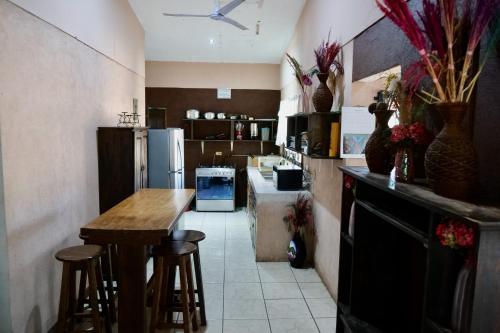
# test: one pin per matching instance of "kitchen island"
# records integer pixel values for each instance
(266, 208)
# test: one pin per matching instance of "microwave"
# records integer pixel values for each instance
(287, 177)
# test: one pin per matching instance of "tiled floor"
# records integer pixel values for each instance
(243, 296)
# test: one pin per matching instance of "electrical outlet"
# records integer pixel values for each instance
(218, 153)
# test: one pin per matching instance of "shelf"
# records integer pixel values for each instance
(207, 140)
(315, 157)
(241, 120)
(314, 114)
(396, 222)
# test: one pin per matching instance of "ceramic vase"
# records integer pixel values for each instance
(323, 98)
(297, 251)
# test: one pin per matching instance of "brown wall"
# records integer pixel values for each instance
(254, 103)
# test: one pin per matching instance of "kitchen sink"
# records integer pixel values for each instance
(267, 175)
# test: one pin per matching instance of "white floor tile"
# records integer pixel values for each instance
(314, 290)
(244, 309)
(281, 290)
(242, 291)
(276, 275)
(322, 307)
(246, 326)
(287, 309)
(326, 325)
(242, 275)
(306, 275)
(273, 265)
(293, 326)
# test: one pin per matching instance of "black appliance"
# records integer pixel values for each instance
(287, 177)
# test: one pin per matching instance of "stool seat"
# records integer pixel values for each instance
(79, 253)
(174, 249)
(192, 236)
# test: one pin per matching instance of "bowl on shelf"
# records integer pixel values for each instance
(209, 115)
(221, 115)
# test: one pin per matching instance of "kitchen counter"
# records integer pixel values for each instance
(266, 208)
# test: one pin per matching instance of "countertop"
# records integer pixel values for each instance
(264, 188)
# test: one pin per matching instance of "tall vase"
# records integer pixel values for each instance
(404, 165)
(297, 251)
(378, 153)
(323, 98)
(303, 102)
(450, 161)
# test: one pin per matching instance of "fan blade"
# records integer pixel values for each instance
(184, 15)
(233, 22)
(230, 6)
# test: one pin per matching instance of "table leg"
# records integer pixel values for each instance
(132, 289)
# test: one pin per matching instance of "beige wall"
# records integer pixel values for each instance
(345, 20)
(109, 26)
(55, 91)
(212, 75)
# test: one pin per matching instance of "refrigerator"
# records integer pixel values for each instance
(166, 158)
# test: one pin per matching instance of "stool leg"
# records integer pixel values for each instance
(103, 299)
(192, 298)
(170, 297)
(157, 292)
(64, 299)
(199, 287)
(82, 289)
(106, 263)
(184, 296)
(72, 296)
(91, 269)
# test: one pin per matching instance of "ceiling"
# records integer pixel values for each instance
(206, 40)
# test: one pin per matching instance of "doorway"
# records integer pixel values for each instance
(156, 117)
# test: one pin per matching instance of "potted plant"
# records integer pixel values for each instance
(303, 79)
(326, 55)
(299, 216)
(446, 40)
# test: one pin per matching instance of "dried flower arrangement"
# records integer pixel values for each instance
(326, 56)
(446, 40)
(299, 215)
(303, 77)
(455, 234)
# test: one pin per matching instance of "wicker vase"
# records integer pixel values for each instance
(323, 98)
(450, 161)
(379, 155)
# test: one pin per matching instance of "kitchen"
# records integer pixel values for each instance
(125, 124)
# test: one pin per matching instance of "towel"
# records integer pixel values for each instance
(287, 108)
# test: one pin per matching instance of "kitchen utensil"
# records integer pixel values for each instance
(233, 116)
(192, 114)
(243, 117)
(239, 130)
(209, 115)
(221, 115)
(254, 131)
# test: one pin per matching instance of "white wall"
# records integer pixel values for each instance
(109, 26)
(212, 75)
(345, 20)
(54, 93)
(5, 324)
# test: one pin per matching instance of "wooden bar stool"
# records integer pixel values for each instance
(169, 256)
(83, 258)
(109, 276)
(194, 236)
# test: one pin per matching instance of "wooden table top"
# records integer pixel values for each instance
(143, 218)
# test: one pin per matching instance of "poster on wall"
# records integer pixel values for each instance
(224, 93)
(357, 126)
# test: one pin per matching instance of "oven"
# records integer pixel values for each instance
(215, 189)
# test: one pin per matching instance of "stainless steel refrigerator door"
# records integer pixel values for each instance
(176, 150)
(159, 158)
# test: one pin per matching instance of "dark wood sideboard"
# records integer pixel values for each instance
(394, 274)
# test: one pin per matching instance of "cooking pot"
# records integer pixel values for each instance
(209, 115)
(221, 115)
(192, 114)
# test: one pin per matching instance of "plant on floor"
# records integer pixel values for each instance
(298, 218)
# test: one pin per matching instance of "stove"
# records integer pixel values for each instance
(215, 188)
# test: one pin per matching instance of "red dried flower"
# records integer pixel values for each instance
(455, 234)
(348, 182)
(399, 133)
(307, 80)
(418, 133)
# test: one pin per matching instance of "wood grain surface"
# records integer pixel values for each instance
(143, 218)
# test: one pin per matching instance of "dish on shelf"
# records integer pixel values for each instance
(221, 115)
(209, 115)
(192, 114)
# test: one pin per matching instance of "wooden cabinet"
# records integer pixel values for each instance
(122, 160)
(396, 276)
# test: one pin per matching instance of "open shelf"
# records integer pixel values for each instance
(197, 130)
(208, 140)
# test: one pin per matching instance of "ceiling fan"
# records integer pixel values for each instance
(218, 14)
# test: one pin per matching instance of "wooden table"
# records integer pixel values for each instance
(145, 218)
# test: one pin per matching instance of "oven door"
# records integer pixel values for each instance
(214, 193)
